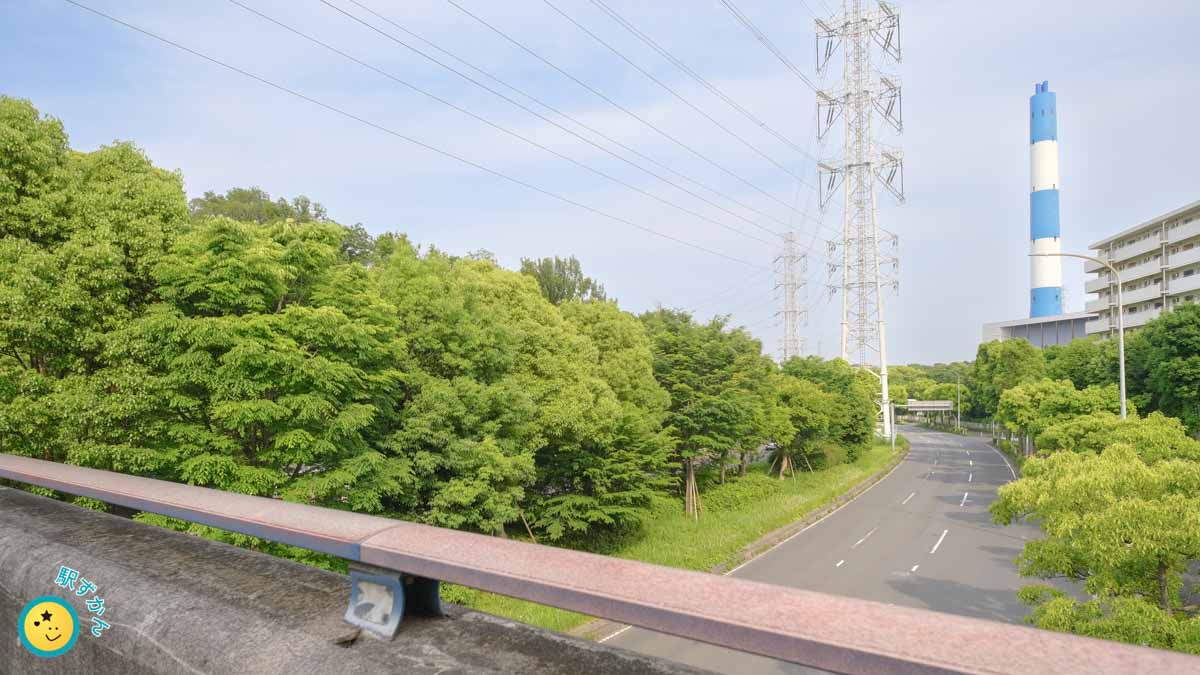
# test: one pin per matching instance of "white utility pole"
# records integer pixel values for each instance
(958, 392)
(859, 31)
(793, 283)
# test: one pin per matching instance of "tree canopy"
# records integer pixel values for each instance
(1001, 365)
(256, 345)
(562, 279)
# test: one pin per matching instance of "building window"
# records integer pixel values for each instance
(1189, 273)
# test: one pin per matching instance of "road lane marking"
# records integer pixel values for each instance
(606, 639)
(907, 498)
(964, 501)
(914, 568)
(1010, 469)
(969, 477)
(939, 542)
(972, 462)
(839, 563)
(818, 521)
(864, 537)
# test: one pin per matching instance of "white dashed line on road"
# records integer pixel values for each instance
(969, 477)
(907, 498)
(972, 462)
(914, 568)
(839, 563)
(864, 537)
(606, 639)
(964, 500)
(939, 542)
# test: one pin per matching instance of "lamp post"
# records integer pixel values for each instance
(1120, 314)
(958, 391)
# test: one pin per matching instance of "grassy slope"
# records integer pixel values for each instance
(735, 515)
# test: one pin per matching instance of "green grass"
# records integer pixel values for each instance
(735, 515)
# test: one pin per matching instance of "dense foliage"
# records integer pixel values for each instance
(1118, 499)
(258, 346)
(1124, 521)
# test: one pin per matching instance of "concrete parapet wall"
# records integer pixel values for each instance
(182, 604)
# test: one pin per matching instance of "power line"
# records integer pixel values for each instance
(766, 42)
(616, 16)
(520, 45)
(732, 291)
(396, 134)
(753, 148)
(576, 121)
(501, 128)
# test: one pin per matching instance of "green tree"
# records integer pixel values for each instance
(267, 368)
(852, 411)
(1031, 407)
(806, 407)
(508, 408)
(1084, 362)
(81, 234)
(1156, 435)
(562, 279)
(35, 174)
(254, 205)
(1126, 528)
(711, 374)
(1001, 365)
(1168, 353)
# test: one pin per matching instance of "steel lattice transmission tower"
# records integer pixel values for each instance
(793, 284)
(861, 31)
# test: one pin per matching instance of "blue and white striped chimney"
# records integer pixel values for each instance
(1045, 296)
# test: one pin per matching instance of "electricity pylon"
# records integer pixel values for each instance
(793, 283)
(860, 31)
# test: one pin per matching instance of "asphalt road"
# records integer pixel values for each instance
(921, 537)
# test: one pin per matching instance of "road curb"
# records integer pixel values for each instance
(602, 629)
(772, 539)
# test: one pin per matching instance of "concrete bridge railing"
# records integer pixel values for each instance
(814, 629)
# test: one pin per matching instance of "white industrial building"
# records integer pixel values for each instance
(1159, 265)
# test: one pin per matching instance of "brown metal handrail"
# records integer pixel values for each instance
(815, 629)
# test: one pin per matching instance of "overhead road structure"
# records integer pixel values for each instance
(815, 629)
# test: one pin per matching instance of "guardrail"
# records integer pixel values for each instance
(814, 629)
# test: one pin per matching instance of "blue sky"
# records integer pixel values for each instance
(1125, 74)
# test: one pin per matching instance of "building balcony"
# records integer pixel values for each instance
(1142, 294)
(1185, 284)
(1185, 257)
(1184, 232)
(1134, 250)
(1135, 319)
(1099, 283)
(1097, 326)
(1146, 269)
(1096, 305)
(1091, 266)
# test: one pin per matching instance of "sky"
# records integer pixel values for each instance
(1125, 75)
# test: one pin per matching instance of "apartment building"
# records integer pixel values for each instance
(1159, 265)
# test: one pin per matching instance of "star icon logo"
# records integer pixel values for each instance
(46, 616)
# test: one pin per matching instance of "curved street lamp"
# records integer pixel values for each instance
(1120, 313)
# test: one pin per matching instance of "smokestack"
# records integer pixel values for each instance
(1045, 273)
